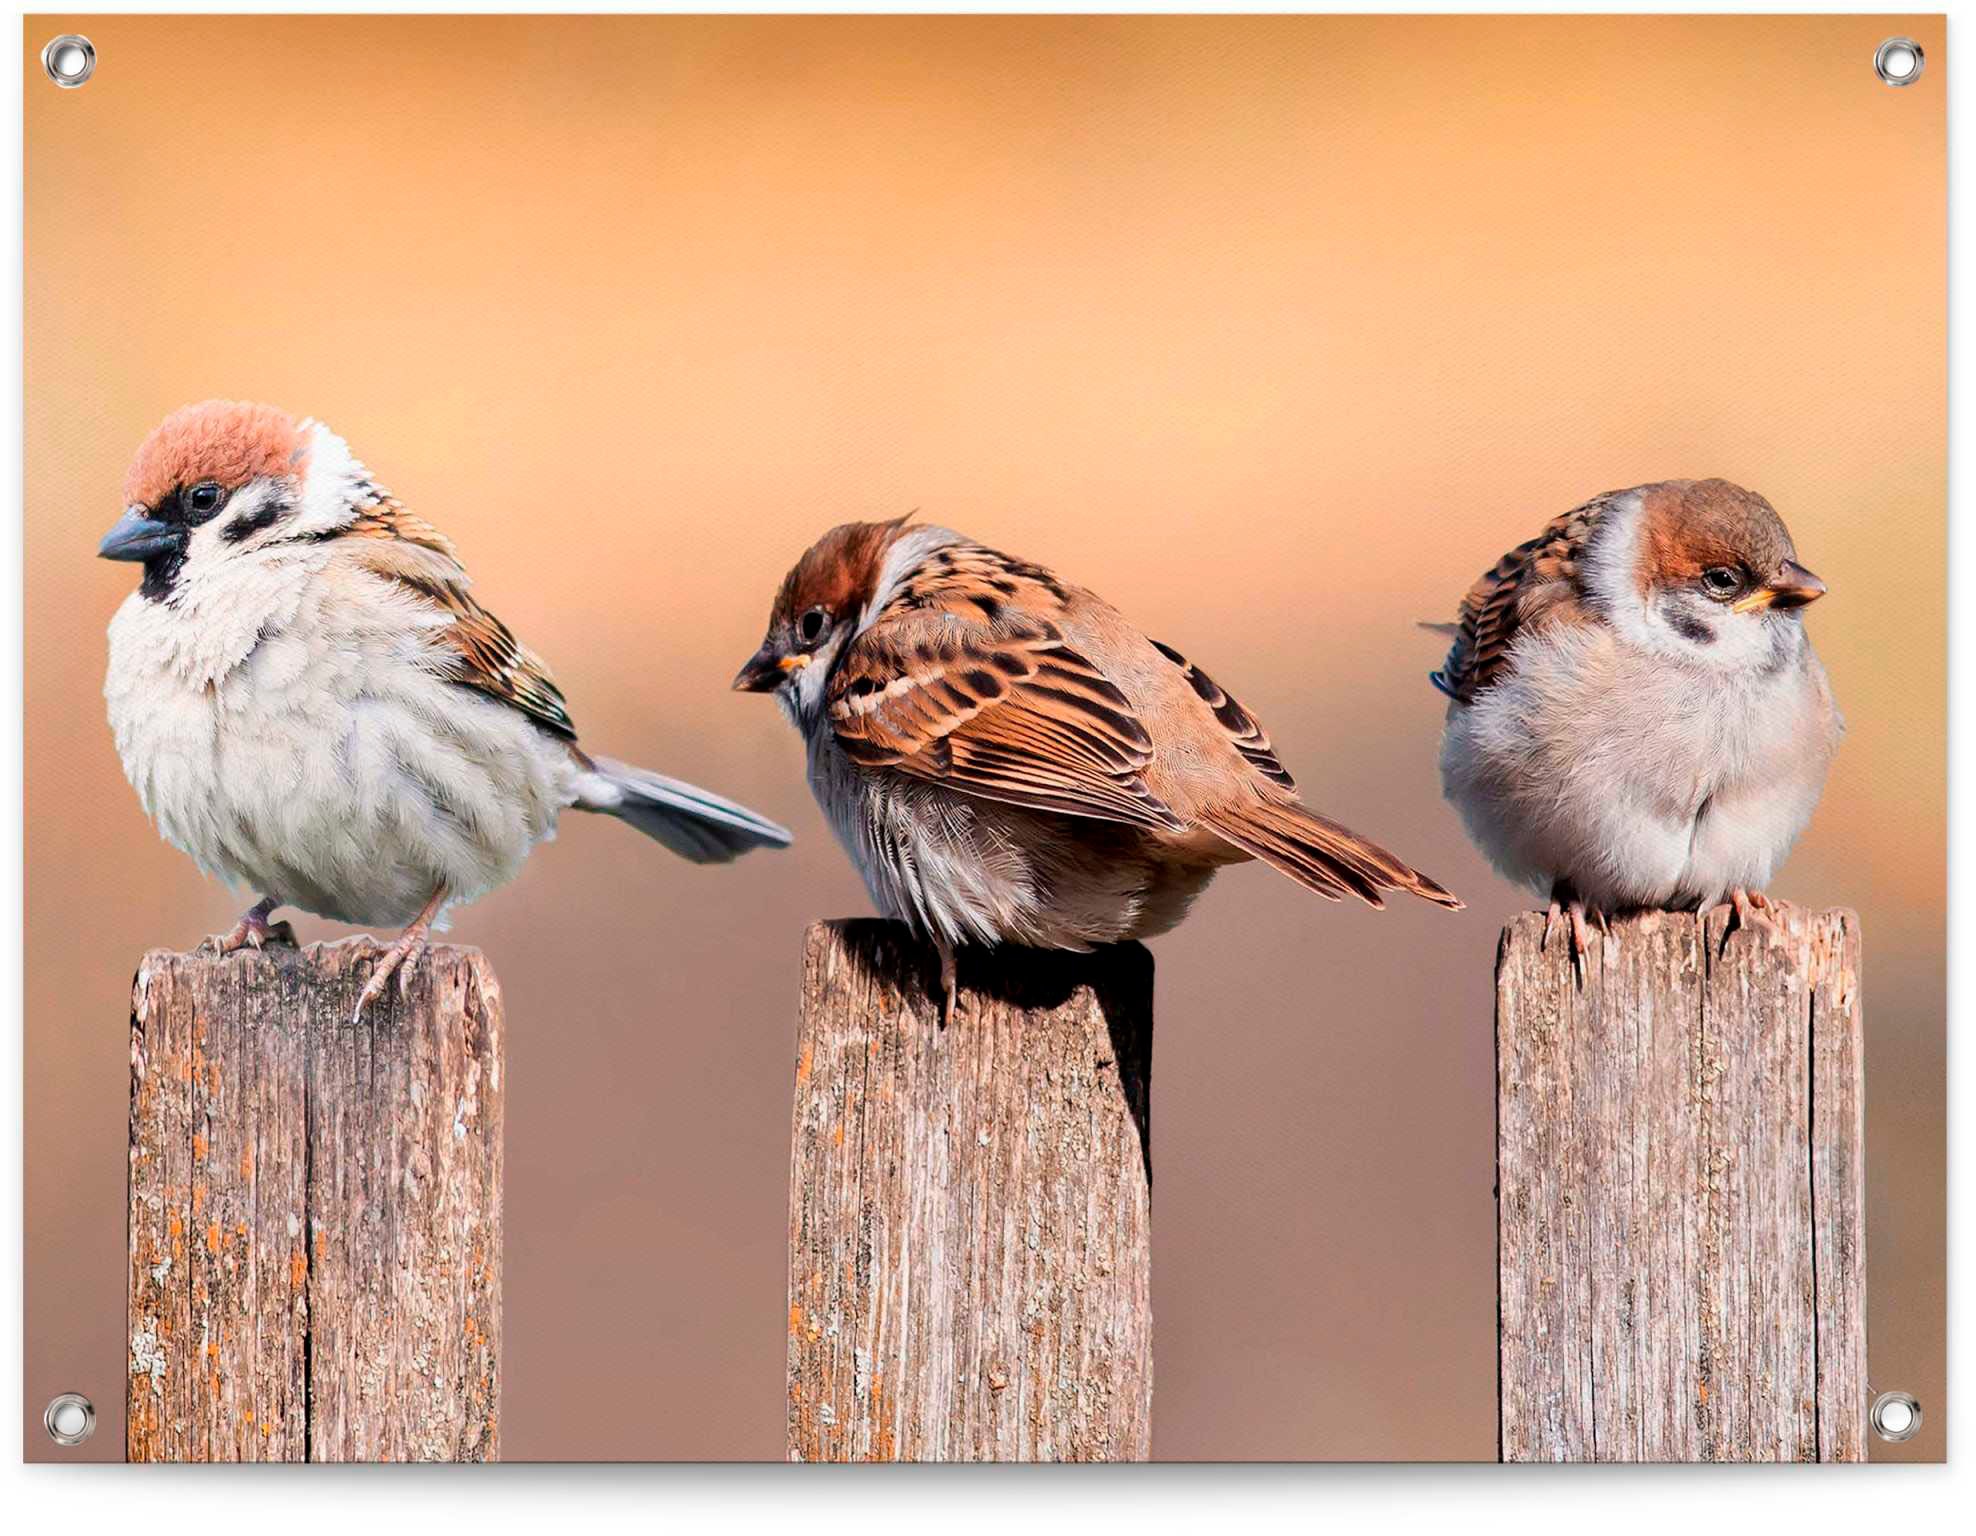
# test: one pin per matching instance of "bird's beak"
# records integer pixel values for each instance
(764, 671)
(1792, 587)
(137, 537)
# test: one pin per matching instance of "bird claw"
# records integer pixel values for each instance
(949, 982)
(1568, 905)
(395, 962)
(396, 959)
(253, 931)
(1753, 912)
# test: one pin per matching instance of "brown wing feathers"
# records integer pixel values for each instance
(474, 648)
(1002, 707)
(1010, 713)
(1311, 849)
(1319, 854)
(1243, 728)
(1533, 580)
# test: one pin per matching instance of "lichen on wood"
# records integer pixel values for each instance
(315, 1209)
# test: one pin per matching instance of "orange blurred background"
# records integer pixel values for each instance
(1275, 331)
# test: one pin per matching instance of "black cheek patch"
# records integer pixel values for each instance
(1691, 628)
(266, 516)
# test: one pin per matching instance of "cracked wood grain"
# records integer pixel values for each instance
(1679, 1192)
(969, 1260)
(315, 1209)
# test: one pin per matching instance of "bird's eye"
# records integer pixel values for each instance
(204, 499)
(1722, 580)
(812, 625)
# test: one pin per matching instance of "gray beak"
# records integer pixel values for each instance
(137, 537)
(1792, 587)
(1796, 586)
(763, 671)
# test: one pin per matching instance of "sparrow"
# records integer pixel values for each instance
(1008, 760)
(1636, 716)
(309, 700)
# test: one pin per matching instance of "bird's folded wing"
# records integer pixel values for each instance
(469, 645)
(1244, 730)
(1538, 581)
(1008, 713)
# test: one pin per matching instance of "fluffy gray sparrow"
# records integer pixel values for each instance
(309, 701)
(1637, 717)
(1007, 759)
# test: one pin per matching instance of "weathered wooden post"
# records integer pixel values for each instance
(969, 1266)
(1680, 1198)
(315, 1209)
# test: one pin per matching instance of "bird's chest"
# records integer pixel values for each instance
(917, 847)
(852, 806)
(1671, 738)
(167, 731)
(225, 752)
(1648, 738)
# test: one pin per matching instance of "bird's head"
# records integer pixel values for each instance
(221, 481)
(1705, 569)
(817, 610)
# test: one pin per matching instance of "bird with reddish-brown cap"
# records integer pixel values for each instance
(309, 701)
(1009, 760)
(1636, 715)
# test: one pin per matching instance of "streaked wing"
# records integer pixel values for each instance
(1006, 712)
(1537, 581)
(1244, 730)
(473, 647)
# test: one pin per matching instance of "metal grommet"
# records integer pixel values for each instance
(69, 59)
(1898, 61)
(69, 1418)
(1895, 1416)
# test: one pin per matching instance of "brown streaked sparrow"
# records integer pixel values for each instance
(1636, 716)
(1007, 759)
(309, 701)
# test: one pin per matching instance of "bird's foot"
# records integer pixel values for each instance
(1753, 912)
(1566, 903)
(408, 946)
(949, 981)
(395, 960)
(253, 931)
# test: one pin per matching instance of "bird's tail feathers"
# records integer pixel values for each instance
(694, 823)
(1319, 854)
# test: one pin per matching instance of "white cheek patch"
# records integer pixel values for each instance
(1706, 632)
(205, 547)
(1610, 566)
(334, 484)
(1691, 619)
(1681, 624)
